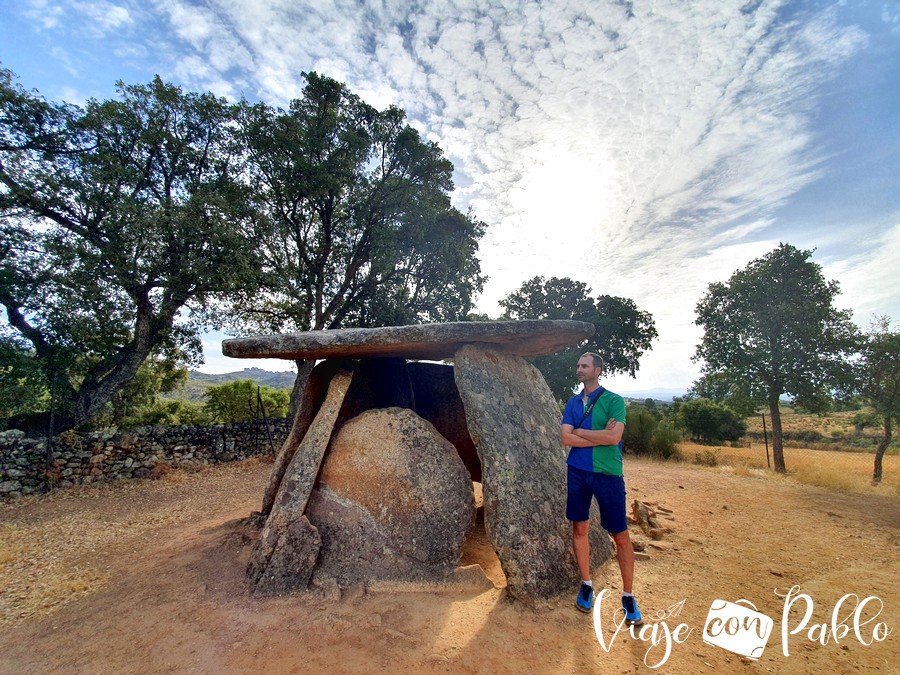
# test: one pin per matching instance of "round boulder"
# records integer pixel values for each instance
(393, 502)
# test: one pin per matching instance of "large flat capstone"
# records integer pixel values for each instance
(426, 341)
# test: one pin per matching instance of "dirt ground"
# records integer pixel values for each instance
(148, 577)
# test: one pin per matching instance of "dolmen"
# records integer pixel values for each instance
(374, 481)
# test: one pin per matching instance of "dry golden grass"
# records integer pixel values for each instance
(849, 471)
(45, 564)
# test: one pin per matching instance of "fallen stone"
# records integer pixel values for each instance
(393, 502)
(641, 556)
(426, 341)
(297, 483)
(514, 422)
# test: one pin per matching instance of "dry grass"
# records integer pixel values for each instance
(848, 471)
(46, 563)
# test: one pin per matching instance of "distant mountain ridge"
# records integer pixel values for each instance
(662, 394)
(276, 380)
(197, 383)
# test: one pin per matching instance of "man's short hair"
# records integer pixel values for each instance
(597, 360)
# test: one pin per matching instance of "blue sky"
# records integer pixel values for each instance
(647, 149)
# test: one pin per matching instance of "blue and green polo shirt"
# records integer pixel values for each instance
(599, 458)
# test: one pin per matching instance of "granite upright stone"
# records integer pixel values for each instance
(514, 423)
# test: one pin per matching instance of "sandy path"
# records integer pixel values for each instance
(149, 578)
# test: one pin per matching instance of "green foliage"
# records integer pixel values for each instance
(663, 443)
(712, 422)
(773, 326)
(732, 392)
(137, 400)
(114, 219)
(639, 430)
(22, 386)
(623, 332)
(880, 369)
(355, 223)
(236, 401)
(168, 412)
(880, 381)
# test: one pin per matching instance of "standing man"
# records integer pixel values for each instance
(592, 426)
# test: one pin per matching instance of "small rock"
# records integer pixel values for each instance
(725, 507)
(776, 573)
(638, 555)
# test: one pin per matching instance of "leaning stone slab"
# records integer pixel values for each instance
(287, 548)
(428, 341)
(514, 423)
(393, 502)
(314, 395)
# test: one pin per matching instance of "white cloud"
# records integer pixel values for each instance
(642, 148)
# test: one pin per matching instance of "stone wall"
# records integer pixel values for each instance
(82, 458)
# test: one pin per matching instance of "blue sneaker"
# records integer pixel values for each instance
(632, 613)
(585, 598)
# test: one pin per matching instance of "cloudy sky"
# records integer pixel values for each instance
(646, 148)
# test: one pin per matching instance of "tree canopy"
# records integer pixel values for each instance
(623, 332)
(880, 382)
(355, 223)
(115, 219)
(773, 327)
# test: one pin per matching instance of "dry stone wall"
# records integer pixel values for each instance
(82, 458)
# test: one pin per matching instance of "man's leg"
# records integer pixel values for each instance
(582, 547)
(625, 558)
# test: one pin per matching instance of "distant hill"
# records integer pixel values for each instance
(198, 382)
(664, 395)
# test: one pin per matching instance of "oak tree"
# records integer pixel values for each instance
(623, 331)
(773, 328)
(116, 219)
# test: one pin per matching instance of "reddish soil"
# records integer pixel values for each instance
(148, 577)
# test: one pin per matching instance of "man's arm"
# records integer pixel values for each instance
(569, 438)
(611, 435)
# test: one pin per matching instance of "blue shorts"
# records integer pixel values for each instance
(607, 489)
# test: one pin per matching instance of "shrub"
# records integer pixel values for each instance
(707, 458)
(664, 440)
(638, 430)
(236, 401)
(710, 421)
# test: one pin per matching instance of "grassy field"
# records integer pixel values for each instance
(849, 471)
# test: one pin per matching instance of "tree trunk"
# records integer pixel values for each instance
(777, 440)
(882, 448)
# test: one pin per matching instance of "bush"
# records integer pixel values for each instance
(707, 458)
(709, 421)
(638, 430)
(236, 401)
(664, 440)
